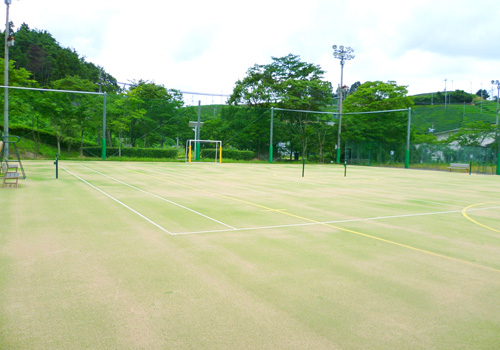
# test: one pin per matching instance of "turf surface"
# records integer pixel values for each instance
(116, 255)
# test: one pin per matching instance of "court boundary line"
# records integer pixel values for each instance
(328, 222)
(118, 201)
(428, 252)
(464, 213)
(161, 198)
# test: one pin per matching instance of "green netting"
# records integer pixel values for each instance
(75, 122)
(422, 156)
(441, 118)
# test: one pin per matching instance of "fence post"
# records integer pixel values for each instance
(103, 149)
(271, 137)
(407, 155)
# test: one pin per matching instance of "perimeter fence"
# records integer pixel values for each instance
(82, 123)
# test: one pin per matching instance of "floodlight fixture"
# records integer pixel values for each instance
(497, 83)
(343, 53)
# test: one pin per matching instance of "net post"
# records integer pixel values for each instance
(189, 152)
(407, 153)
(103, 150)
(220, 153)
(498, 163)
(198, 129)
(271, 137)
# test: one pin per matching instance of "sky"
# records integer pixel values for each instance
(207, 46)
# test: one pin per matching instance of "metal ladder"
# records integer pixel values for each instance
(15, 160)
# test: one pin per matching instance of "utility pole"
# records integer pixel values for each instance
(445, 92)
(6, 83)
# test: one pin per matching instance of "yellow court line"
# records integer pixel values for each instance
(329, 225)
(464, 213)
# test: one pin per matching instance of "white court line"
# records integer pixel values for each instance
(332, 222)
(163, 199)
(119, 202)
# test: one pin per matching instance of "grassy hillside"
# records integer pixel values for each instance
(453, 116)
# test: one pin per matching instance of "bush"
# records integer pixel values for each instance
(47, 137)
(132, 152)
(228, 154)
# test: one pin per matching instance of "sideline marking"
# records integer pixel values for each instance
(164, 199)
(330, 222)
(335, 227)
(118, 201)
(464, 213)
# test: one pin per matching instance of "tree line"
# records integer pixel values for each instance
(150, 115)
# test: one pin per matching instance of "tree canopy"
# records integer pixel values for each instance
(383, 127)
(286, 83)
(38, 52)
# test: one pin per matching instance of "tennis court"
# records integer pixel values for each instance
(130, 255)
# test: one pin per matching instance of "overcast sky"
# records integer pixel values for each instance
(206, 46)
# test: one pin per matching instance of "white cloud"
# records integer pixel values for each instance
(205, 46)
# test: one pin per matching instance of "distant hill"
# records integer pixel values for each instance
(39, 53)
(454, 116)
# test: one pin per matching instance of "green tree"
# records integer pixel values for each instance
(376, 96)
(483, 94)
(38, 52)
(474, 133)
(21, 103)
(70, 114)
(18, 76)
(460, 96)
(241, 127)
(286, 83)
(161, 108)
(121, 110)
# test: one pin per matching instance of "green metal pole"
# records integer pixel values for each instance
(407, 155)
(198, 132)
(498, 134)
(271, 137)
(498, 163)
(340, 109)
(6, 84)
(498, 126)
(103, 149)
(303, 164)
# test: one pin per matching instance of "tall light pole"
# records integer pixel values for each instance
(6, 84)
(343, 54)
(497, 83)
(445, 92)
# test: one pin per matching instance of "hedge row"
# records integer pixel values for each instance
(46, 137)
(132, 152)
(229, 154)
